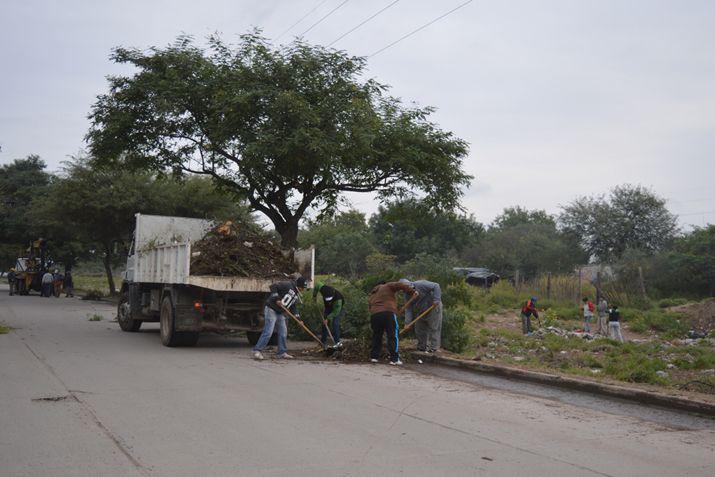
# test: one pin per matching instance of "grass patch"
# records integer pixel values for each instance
(93, 295)
(628, 362)
(4, 329)
(95, 317)
(91, 283)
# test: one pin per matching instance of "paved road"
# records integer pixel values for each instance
(80, 397)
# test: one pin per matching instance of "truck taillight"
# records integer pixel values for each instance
(198, 305)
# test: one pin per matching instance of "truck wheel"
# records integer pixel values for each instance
(253, 337)
(167, 327)
(124, 315)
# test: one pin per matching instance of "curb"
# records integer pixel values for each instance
(622, 392)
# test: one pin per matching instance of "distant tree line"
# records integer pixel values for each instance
(87, 213)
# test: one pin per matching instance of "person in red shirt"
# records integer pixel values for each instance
(527, 310)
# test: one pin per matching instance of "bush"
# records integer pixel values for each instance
(454, 330)
(93, 294)
(668, 302)
(656, 320)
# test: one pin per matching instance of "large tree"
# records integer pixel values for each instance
(289, 128)
(631, 217)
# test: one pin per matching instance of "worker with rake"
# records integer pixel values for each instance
(284, 296)
(333, 311)
(382, 304)
(428, 329)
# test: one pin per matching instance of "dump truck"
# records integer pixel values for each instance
(158, 285)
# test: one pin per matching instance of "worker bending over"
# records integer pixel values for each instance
(382, 304)
(428, 329)
(333, 310)
(527, 310)
(283, 295)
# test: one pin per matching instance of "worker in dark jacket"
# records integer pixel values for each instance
(382, 304)
(527, 310)
(333, 310)
(11, 279)
(283, 295)
(69, 284)
(429, 329)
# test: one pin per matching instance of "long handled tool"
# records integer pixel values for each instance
(301, 324)
(424, 313)
(409, 302)
(335, 349)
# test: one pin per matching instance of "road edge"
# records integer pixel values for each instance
(612, 390)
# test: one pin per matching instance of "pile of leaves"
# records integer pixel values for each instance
(235, 250)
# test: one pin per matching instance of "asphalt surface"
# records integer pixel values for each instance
(80, 397)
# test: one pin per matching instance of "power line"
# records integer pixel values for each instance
(326, 16)
(420, 28)
(361, 23)
(302, 18)
(704, 212)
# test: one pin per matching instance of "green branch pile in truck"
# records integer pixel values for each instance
(191, 275)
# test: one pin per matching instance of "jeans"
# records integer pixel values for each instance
(614, 330)
(271, 320)
(525, 323)
(47, 289)
(587, 323)
(335, 328)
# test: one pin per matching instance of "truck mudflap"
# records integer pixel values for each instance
(187, 318)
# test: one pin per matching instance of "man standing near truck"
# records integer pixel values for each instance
(333, 310)
(429, 329)
(11, 279)
(283, 295)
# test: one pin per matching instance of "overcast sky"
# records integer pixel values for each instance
(556, 98)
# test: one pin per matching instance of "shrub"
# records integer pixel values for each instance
(668, 302)
(93, 294)
(454, 330)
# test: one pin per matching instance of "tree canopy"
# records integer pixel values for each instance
(289, 128)
(631, 217)
(408, 227)
(528, 241)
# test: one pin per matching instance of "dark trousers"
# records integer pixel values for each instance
(335, 328)
(384, 322)
(47, 289)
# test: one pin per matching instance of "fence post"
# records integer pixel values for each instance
(641, 282)
(578, 287)
(517, 282)
(548, 286)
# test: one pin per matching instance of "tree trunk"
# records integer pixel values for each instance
(108, 268)
(289, 233)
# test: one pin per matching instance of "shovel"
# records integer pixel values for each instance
(331, 350)
(301, 324)
(424, 313)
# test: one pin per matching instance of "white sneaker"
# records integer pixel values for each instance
(258, 355)
(285, 356)
(396, 363)
(373, 360)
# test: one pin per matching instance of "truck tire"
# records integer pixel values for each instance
(254, 336)
(124, 315)
(167, 327)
